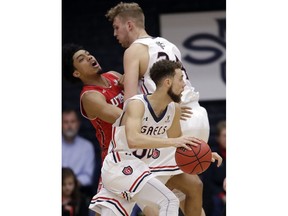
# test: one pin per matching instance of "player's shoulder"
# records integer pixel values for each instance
(136, 47)
(135, 51)
(136, 100)
(92, 95)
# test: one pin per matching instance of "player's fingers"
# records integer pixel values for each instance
(184, 117)
(192, 143)
(187, 147)
(196, 140)
(219, 161)
(187, 112)
(186, 108)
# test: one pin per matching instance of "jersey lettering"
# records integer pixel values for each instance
(118, 99)
(153, 130)
(148, 153)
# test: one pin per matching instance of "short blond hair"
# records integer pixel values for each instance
(127, 10)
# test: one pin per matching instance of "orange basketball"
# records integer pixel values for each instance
(194, 161)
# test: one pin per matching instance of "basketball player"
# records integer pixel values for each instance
(144, 123)
(141, 53)
(101, 98)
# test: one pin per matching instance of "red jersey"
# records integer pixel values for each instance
(114, 95)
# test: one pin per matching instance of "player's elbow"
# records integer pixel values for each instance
(132, 142)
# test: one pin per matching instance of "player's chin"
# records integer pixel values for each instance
(100, 71)
(124, 44)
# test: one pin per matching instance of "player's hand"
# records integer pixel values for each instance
(216, 156)
(185, 141)
(121, 81)
(185, 113)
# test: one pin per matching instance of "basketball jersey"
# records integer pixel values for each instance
(114, 95)
(160, 48)
(122, 172)
(151, 124)
(160, 160)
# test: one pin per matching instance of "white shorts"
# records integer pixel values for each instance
(153, 193)
(125, 177)
(105, 198)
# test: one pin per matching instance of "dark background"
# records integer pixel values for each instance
(84, 23)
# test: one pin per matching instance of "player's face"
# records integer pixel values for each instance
(86, 63)
(121, 32)
(70, 125)
(177, 86)
(68, 186)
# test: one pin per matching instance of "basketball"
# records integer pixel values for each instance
(194, 161)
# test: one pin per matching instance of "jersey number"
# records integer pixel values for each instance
(163, 55)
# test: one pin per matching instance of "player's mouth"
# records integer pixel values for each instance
(95, 64)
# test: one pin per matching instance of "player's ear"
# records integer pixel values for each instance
(76, 74)
(168, 82)
(130, 24)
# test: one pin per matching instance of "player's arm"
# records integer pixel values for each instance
(136, 140)
(216, 156)
(175, 129)
(95, 105)
(132, 69)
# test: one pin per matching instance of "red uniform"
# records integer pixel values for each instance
(114, 95)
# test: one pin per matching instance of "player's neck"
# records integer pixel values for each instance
(158, 102)
(98, 80)
(142, 34)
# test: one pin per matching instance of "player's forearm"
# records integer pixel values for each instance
(147, 142)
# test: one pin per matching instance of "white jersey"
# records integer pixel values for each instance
(159, 48)
(122, 172)
(161, 161)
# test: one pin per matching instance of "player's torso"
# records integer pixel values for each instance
(160, 160)
(152, 125)
(114, 95)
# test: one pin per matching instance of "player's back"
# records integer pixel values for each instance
(160, 48)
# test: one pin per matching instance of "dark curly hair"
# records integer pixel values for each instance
(68, 50)
(163, 68)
